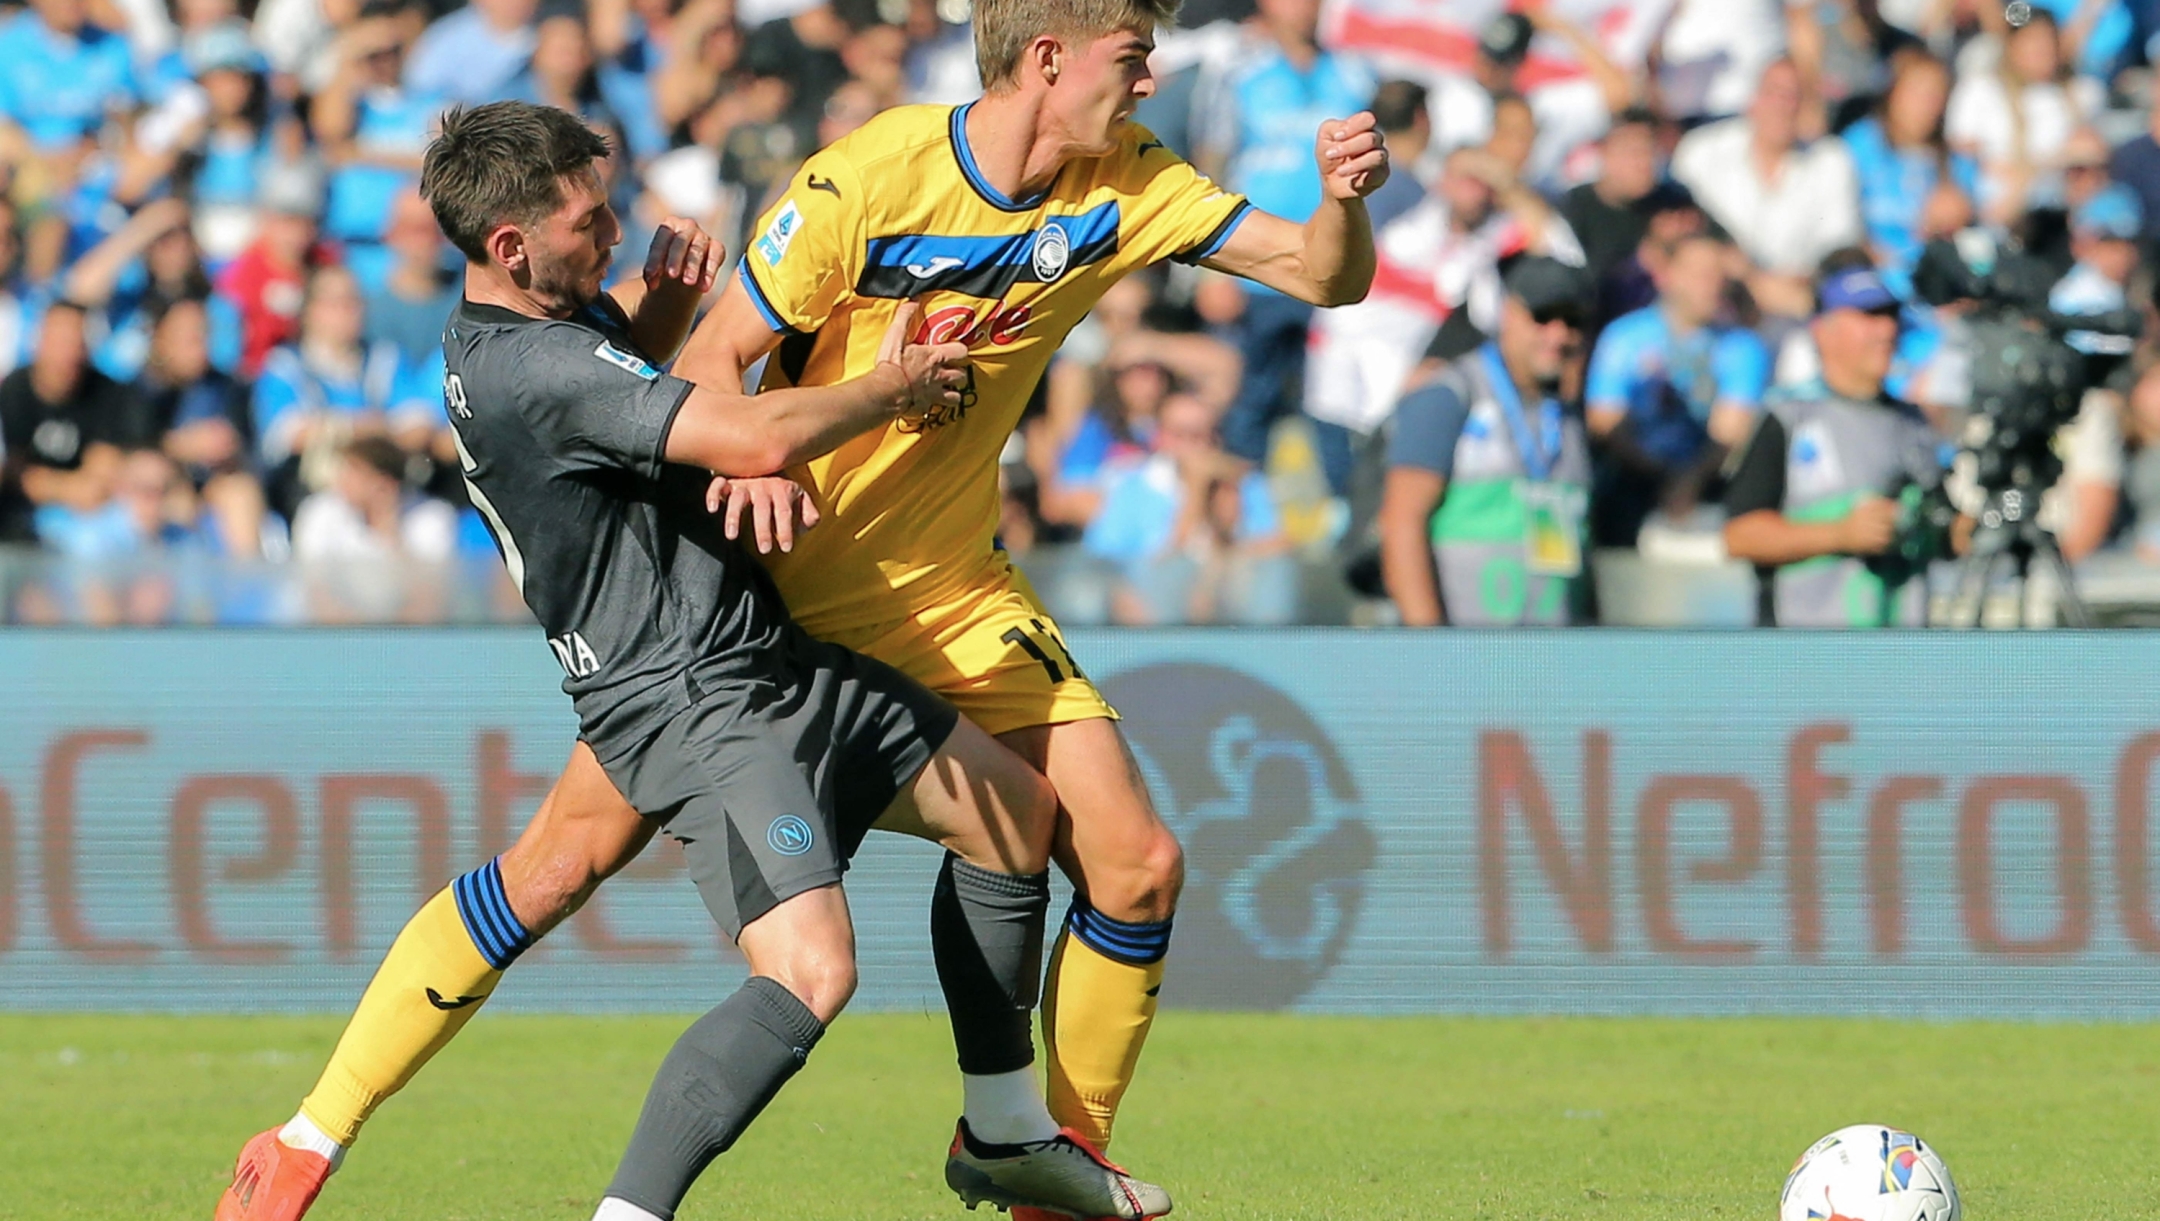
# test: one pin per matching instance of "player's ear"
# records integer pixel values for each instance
(1045, 57)
(506, 248)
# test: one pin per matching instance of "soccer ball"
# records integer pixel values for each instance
(1869, 1173)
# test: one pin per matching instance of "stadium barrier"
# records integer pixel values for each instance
(1947, 825)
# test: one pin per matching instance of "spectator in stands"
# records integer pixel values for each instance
(126, 280)
(1610, 213)
(201, 413)
(1142, 370)
(2081, 507)
(329, 385)
(1814, 501)
(65, 425)
(150, 509)
(2141, 475)
(370, 547)
(64, 75)
(941, 57)
(700, 61)
(1254, 140)
(366, 513)
(1563, 113)
(2136, 164)
(563, 73)
(1786, 203)
(2104, 233)
(1451, 248)
(269, 278)
(222, 156)
(1912, 187)
(1481, 519)
(851, 105)
(1401, 110)
(1194, 531)
(1672, 388)
(802, 49)
(2015, 120)
(409, 309)
(206, 32)
(876, 59)
(373, 127)
(1711, 53)
(18, 308)
(472, 54)
(2045, 230)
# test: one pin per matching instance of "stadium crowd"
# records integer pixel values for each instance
(221, 296)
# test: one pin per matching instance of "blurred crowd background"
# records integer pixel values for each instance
(221, 297)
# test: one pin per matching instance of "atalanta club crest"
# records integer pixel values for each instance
(1053, 250)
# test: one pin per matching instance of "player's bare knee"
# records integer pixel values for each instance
(824, 983)
(1144, 888)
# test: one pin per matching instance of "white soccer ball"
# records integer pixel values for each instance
(1869, 1173)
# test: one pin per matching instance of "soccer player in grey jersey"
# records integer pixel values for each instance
(767, 754)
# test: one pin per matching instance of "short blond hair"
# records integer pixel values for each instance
(1004, 28)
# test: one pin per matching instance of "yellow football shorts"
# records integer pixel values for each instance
(992, 650)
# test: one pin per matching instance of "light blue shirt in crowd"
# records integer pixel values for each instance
(390, 122)
(57, 87)
(1266, 117)
(464, 59)
(1140, 511)
(1667, 382)
(1894, 188)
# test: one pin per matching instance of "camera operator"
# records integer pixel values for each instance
(2080, 509)
(1814, 498)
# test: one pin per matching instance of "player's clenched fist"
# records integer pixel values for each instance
(683, 258)
(1353, 156)
(936, 372)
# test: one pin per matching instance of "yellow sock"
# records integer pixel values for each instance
(442, 966)
(1096, 1012)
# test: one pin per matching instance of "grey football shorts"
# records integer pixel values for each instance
(771, 783)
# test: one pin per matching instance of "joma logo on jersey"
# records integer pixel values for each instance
(577, 657)
(999, 325)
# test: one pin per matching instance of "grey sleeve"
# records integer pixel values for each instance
(597, 405)
(1428, 422)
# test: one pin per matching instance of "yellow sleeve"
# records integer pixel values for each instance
(1176, 212)
(809, 247)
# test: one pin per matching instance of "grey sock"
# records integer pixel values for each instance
(715, 1080)
(986, 933)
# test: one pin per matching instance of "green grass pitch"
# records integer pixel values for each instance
(1246, 1118)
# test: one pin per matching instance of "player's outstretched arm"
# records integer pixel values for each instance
(681, 267)
(1328, 260)
(731, 433)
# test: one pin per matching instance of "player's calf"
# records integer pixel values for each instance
(730, 1063)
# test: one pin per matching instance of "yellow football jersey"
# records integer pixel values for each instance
(898, 211)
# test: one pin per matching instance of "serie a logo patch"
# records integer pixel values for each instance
(625, 360)
(780, 234)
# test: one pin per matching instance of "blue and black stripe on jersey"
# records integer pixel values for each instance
(905, 266)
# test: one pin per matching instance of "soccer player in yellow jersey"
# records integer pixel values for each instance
(1007, 219)
(1004, 220)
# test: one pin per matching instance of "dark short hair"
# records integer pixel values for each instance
(379, 454)
(1397, 104)
(1634, 116)
(502, 163)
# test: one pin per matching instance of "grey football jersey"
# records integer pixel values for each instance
(561, 427)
